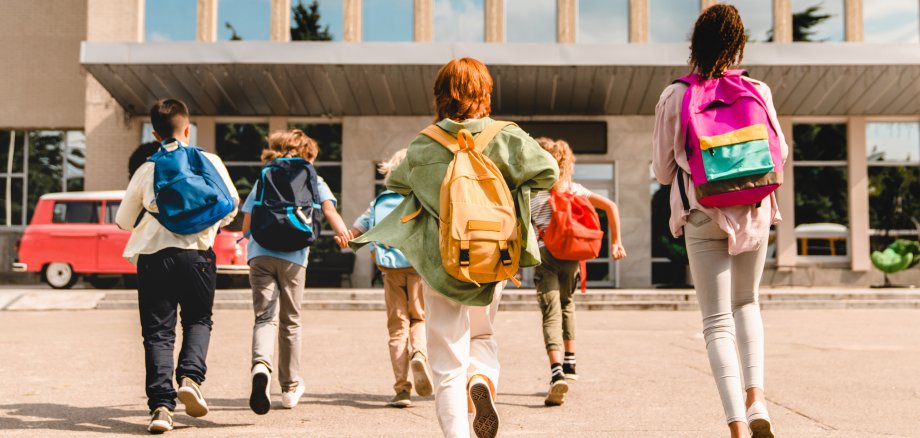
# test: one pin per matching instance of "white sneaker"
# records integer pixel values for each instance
(160, 421)
(421, 376)
(259, 399)
(759, 421)
(189, 394)
(289, 399)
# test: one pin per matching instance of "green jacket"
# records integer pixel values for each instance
(527, 168)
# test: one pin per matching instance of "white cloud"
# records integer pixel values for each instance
(459, 20)
(159, 37)
(530, 20)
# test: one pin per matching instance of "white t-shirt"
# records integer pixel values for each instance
(541, 212)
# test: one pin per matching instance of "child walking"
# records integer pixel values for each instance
(462, 349)
(555, 279)
(278, 279)
(405, 303)
(727, 244)
(175, 266)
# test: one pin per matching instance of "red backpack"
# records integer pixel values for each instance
(574, 230)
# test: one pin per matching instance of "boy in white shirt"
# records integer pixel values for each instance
(173, 270)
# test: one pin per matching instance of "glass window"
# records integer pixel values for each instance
(243, 20)
(530, 21)
(49, 161)
(240, 146)
(459, 20)
(603, 21)
(147, 133)
(111, 209)
(316, 20)
(388, 20)
(891, 21)
(170, 20)
(821, 191)
(671, 21)
(757, 16)
(593, 171)
(817, 20)
(76, 212)
(894, 181)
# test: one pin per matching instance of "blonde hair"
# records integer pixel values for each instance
(293, 143)
(562, 152)
(386, 167)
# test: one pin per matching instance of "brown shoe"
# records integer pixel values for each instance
(401, 400)
(160, 421)
(421, 376)
(485, 422)
(190, 396)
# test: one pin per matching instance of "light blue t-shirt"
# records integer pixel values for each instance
(300, 257)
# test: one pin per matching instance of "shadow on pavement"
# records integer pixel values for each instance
(358, 401)
(103, 419)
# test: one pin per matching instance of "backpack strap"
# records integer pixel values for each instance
(441, 136)
(482, 139)
(488, 134)
(683, 190)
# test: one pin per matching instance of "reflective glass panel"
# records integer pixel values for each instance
(247, 20)
(388, 20)
(891, 21)
(530, 21)
(757, 16)
(892, 142)
(671, 21)
(459, 20)
(817, 20)
(603, 21)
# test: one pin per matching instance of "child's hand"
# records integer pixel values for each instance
(341, 241)
(617, 251)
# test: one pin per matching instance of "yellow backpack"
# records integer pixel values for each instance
(480, 237)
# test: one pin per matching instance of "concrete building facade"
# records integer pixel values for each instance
(95, 73)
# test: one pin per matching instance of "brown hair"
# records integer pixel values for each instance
(462, 90)
(562, 152)
(293, 143)
(718, 41)
(168, 117)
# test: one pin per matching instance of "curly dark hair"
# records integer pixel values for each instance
(718, 41)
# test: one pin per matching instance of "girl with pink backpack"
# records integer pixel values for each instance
(718, 143)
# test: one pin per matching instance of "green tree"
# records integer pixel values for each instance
(803, 24)
(306, 25)
(234, 36)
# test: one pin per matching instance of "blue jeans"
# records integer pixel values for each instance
(170, 279)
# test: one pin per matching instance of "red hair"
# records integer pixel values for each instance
(463, 90)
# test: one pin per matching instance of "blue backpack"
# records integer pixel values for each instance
(386, 257)
(190, 194)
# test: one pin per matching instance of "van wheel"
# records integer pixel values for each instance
(59, 275)
(102, 282)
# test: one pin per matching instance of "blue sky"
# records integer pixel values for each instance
(459, 20)
(603, 21)
(896, 141)
(388, 20)
(530, 21)
(671, 21)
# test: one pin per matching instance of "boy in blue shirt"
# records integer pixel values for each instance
(277, 279)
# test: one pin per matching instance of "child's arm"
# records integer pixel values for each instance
(613, 218)
(335, 220)
(133, 203)
(343, 240)
(247, 222)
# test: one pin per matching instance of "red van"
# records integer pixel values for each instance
(73, 234)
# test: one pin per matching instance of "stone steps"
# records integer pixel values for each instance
(604, 299)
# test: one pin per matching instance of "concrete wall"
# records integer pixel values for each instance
(366, 140)
(111, 135)
(42, 82)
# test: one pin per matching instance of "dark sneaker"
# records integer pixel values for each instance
(569, 370)
(421, 376)
(485, 422)
(189, 394)
(259, 400)
(160, 421)
(556, 395)
(401, 400)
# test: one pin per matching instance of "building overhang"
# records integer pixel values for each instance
(373, 79)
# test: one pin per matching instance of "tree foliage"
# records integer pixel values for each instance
(306, 25)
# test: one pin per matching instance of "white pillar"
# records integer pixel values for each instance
(786, 250)
(858, 182)
(207, 20)
(638, 21)
(281, 20)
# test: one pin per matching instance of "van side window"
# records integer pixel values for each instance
(111, 208)
(76, 212)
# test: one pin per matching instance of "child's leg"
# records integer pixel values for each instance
(567, 288)
(548, 287)
(196, 300)
(483, 346)
(291, 280)
(265, 305)
(395, 296)
(448, 331)
(414, 285)
(157, 303)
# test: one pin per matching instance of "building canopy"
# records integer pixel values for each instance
(373, 79)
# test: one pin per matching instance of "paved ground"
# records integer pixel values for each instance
(644, 374)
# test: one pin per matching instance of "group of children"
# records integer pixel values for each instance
(441, 297)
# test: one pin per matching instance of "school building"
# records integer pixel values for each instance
(80, 75)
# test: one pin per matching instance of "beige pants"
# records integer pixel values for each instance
(461, 344)
(402, 292)
(277, 291)
(726, 288)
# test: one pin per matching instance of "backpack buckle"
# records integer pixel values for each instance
(464, 257)
(506, 256)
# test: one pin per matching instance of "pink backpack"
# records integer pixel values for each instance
(733, 148)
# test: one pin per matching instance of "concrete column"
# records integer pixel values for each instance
(277, 124)
(706, 3)
(280, 20)
(786, 250)
(352, 12)
(782, 21)
(566, 21)
(495, 21)
(853, 19)
(858, 182)
(207, 132)
(111, 135)
(207, 20)
(423, 21)
(638, 21)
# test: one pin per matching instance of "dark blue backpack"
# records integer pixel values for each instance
(286, 215)
(190, 194)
